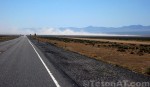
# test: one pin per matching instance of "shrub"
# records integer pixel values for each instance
(86, 44)
(132, 52)
(147, 71)
(121, 50)
(140, 53)
(98, 45)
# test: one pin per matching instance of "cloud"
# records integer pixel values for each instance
(45, 31)
(57, 31)
(50, 31)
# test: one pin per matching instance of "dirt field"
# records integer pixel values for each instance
(118, 41)
(134, 56)
(7, 37)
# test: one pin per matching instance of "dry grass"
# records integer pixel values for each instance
(133, 59)
(118, 41)
(5, 38)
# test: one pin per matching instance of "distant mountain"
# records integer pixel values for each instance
(126, 30)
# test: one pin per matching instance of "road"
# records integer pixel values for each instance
(22, 64)
(25, 63)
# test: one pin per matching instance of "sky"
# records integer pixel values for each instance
(23, 14)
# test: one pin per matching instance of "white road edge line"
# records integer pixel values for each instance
(49, 72)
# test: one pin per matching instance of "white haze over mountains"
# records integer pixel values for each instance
(44, 31)
(96, 31)
(67, 31)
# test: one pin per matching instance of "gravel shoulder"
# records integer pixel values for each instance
(83, 69)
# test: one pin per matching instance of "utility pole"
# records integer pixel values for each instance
(36, 37)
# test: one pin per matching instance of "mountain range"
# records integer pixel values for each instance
(125, 30)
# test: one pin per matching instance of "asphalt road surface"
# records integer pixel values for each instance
(22, 64)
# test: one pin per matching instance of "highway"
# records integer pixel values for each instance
(29, 63)
(22, 64)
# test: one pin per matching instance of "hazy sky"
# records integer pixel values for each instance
(51, 14)
(74, 13)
